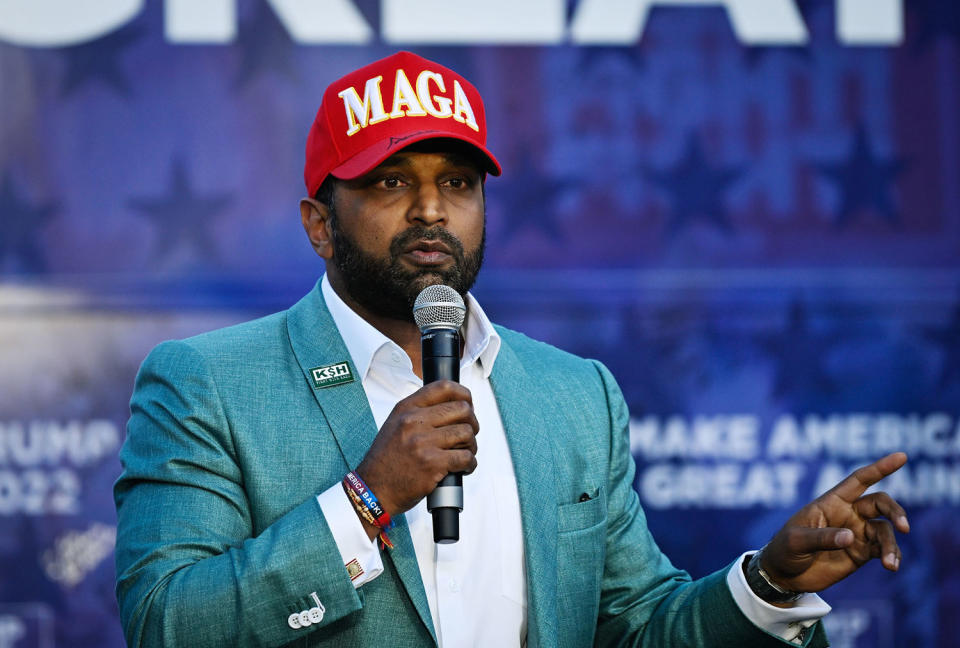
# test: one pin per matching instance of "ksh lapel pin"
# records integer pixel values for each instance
(331, 375)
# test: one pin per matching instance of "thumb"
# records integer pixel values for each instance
(806, 540)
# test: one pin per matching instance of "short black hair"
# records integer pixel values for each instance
(324, 194)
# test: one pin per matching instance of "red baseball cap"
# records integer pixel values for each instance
(372, 113)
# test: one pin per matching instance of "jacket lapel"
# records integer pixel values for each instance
(316, 343)
(526, 425)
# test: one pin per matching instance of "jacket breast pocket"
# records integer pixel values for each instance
(581, 550)
(590, 511)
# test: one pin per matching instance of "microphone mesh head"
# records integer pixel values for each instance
(439, 306)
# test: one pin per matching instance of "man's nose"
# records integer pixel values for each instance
(428, 208)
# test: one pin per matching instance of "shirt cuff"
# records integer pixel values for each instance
(787, 623)
(361, 558)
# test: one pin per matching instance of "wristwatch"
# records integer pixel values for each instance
(762, 586)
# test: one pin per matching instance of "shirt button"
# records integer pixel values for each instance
(396, 357)
(454, 585)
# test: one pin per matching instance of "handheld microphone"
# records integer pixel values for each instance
(439, 313)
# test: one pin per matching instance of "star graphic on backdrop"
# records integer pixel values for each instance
(99, 60)
(696, 189)
(799, 353)
(652, 359)
(937, 18)
(529, 199)
(865, 182)
(948, 339)
(182, 217)
(20, 225)
(265, 47)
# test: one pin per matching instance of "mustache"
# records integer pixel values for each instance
(420, 233)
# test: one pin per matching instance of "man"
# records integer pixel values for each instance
(242, 511)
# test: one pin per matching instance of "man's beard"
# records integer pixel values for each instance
(387, 288)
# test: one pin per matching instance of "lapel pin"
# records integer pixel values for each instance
(331, 375)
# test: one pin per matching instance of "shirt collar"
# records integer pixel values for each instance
(481, 340)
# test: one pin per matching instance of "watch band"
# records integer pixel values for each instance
(762, 586)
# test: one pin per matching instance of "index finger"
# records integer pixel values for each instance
(866, 476)
(441, 391)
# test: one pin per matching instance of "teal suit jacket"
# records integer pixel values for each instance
(220, 537)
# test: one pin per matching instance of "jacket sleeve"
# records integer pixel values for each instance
(645, 600)
(189, 570)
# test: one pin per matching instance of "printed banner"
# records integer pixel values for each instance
(751, 217)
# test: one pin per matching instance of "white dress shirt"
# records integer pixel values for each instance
(476, 587)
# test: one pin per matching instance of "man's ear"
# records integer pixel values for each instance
(316, 223)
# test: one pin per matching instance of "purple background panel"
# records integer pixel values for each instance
(761, 242)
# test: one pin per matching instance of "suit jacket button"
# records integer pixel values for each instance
(305, 619)
(294, 620)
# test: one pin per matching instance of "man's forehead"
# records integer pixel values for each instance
(449, 152)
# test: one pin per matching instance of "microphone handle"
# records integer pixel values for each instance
(440, 349)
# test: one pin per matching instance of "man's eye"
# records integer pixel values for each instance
(457, 183)
(390, 182)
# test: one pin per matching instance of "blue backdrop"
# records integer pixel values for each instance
(759, 235)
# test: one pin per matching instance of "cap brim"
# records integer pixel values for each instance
(368, 159)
